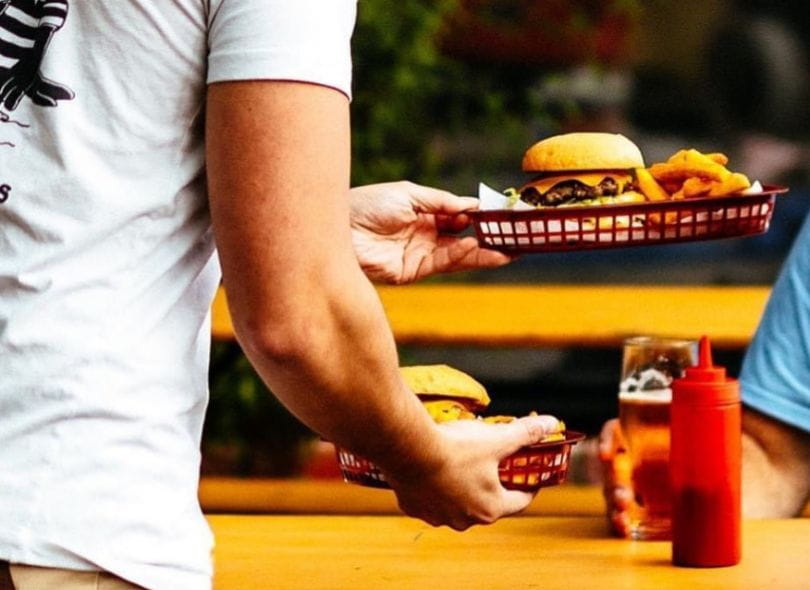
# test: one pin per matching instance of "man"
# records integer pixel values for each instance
(108, 268)
(775, 382)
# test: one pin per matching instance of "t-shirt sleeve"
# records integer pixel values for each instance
(775, 377)
(302, 40)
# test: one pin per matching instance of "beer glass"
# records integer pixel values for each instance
(649, 365)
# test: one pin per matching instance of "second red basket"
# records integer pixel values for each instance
(530, 468)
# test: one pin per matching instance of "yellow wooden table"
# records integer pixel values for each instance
(399, 553)
(558, 315)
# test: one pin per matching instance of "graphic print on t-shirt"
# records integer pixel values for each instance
(26, 30)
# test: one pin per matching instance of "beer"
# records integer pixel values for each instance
(644, 417)
(649, 366)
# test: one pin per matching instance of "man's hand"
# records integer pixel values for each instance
(617, 479)
(402, 232)
(775, 465)
(465, 490)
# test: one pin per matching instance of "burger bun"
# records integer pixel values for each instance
(581, 152)
(442, 382)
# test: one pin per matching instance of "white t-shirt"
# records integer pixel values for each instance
(107, 264)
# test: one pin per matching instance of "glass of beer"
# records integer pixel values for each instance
(649, 365)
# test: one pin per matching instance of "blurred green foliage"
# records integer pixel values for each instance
(420, 115)
(247, 430)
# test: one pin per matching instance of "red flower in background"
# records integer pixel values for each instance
(548, 33)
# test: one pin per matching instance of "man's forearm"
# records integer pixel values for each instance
(340, 376)
(776, 467)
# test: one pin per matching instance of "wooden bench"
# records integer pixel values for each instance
(557, 315)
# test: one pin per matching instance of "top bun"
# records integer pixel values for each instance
(582, 151)
(443, 381)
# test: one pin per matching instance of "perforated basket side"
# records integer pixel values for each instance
(358, 470)
(530, 468)
(637, 224)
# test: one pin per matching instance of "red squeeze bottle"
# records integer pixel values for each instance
(705, 465)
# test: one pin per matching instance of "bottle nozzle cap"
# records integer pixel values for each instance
(705, 352)
(705, 384)
(705, 369)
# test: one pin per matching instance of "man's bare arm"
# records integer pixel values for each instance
(311, 323)
(776, 467)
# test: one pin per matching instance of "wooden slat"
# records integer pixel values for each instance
(331, 496)
(558, 315)
(221, 324)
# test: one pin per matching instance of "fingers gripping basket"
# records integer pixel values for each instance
(530, 468)
(638, 224)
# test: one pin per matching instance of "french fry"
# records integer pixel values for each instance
(686, 164)
(679, 155)
(718, 158)
(670, 218)
(691, 156)
(650, 187)
(733, 184)
(667, 174)
(687, 174)
(697, 187)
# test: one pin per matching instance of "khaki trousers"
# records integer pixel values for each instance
(26, 577)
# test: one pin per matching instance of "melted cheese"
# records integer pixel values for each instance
(589, 178)
(447, 411)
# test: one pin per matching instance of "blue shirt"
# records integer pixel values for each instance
(775, 377)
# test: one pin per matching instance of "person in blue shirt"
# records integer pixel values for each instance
(775, 384)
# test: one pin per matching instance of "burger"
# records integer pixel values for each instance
(449, 394)
(581, 169)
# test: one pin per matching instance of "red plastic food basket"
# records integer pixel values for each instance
(531, 468)
(619, 226)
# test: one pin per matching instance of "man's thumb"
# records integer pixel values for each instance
(530, 430)
(437, 201)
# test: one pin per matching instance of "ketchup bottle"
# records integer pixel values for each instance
(705, 465)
